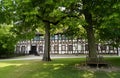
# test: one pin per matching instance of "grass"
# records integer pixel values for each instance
(58, 68)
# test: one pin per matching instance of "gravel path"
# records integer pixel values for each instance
(30, 57)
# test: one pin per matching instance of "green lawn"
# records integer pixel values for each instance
(57, 68)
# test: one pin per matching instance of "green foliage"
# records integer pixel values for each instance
(74, 29)
(110, 34)
(6, 11)
(31, 15)
(7, 41)
(110, 27)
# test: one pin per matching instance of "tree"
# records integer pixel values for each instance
(92, 11)
(31, 14)
(110, 29)
(96, 13)
(111, 26)
(7, 41)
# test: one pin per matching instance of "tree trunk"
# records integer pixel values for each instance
(91, 42)
(46, 55)
(117, 50)
(90, 34)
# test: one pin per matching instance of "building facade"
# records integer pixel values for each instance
(59, 44)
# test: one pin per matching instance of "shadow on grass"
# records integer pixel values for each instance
(58, 68)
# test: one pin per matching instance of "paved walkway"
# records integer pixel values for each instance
(31, 57)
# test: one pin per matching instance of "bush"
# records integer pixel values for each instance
(6, 47)
(6, 52)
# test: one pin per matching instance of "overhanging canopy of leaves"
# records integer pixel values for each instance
(110, 27)
(28, 15)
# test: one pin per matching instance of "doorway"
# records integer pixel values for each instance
(33, 50)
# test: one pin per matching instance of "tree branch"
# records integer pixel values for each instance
(56, 22)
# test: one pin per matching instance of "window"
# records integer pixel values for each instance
(63, 37)
(86, 47)
(56, 37)
(103, 47)
(17, 48)
(63, 47)
(52, 37)
(36, 38)
(70, 47)
(23, 49)
(111, 48)
(40, 48)
(56, 47)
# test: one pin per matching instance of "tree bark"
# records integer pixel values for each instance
(46, 55)
(90, 34)
(91, 42)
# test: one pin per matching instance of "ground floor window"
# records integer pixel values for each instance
(70, 47)
(63, 47)
(40, 48)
